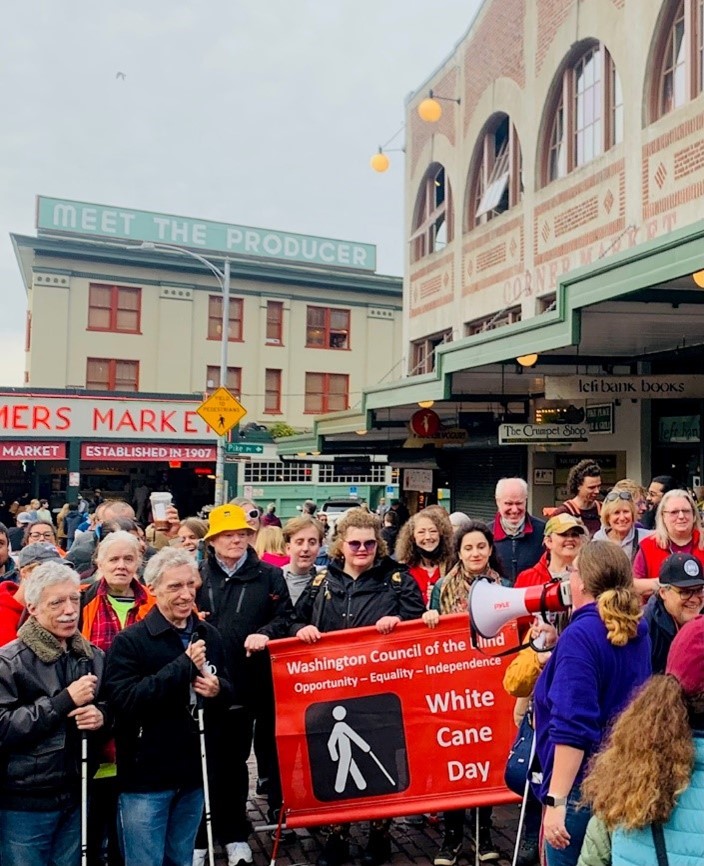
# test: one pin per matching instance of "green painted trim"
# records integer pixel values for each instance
(303, 443)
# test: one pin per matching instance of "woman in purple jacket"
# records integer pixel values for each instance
(600, 659)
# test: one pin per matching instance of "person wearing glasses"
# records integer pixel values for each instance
(362, 586)
(619, 514)
(678, 528)
(40, 532)
(252, 514)
(679, 599)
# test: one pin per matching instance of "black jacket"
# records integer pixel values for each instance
(519, 552)
(254, 600)
(334, 601)
(40, 750)
(662, 630)
(148, 684)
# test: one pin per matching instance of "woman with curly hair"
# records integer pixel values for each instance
(651, 771)
(424, 545)
(601, 657)
(474, 550)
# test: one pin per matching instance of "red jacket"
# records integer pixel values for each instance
(653, 556)
(536, 576)
(10, 611)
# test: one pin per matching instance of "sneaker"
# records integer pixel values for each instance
(199, 855)
(487, 849)
(238, 853)
(262, 788)
(448, 853)
(528, 854)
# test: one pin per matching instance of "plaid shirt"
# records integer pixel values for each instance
(106, 625)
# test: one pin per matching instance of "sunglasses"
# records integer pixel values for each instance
(355, 546)
(253, 514)
(618, 494)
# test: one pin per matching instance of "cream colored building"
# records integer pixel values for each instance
(311, 322)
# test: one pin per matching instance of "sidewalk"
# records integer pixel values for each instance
(412, 844)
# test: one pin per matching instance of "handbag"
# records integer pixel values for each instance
(659, 841)
(520, 758)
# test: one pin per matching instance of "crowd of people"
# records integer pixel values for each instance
(114, 649)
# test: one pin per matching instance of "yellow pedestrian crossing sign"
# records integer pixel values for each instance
(221, 411)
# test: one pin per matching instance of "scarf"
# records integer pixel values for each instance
(431, 555)
(454, 592)
(512, 528)
(49, 649)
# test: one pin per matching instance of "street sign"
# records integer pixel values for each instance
(221, 411)
(243, 448)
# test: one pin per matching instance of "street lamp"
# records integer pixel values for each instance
(223, 277)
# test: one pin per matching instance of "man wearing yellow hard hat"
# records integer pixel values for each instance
(248, 601)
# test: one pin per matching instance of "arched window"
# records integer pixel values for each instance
(432, 223)
(680, 57)
(496, 184)
(587, 117)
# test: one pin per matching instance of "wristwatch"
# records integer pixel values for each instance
(555, 801)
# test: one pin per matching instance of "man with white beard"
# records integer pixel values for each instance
(518, 536)
(49, 678)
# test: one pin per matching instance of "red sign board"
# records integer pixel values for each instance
(425, 423)
(136, 452)
(32, 450)
(376, 726)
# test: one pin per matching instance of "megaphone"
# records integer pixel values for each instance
(491, 605)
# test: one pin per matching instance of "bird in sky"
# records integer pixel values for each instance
(120, 75)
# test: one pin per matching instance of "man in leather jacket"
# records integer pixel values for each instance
(49, 678)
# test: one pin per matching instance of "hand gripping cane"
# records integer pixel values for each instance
(204, 768)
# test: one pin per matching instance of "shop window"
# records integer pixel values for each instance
(108, 374)
(326, 475)
(496, 183)
(546, 303)
(326, 392)
(276, 471)
(423, 352)
(215, 318)
(114, 308)
(679, 56)
(272, 392)
(587, 114)
(233, 383)
(275, 322)
(327, 328)
(432, 222)
(490, 323)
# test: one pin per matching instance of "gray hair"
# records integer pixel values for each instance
(46, 575)
(661, 536)
(119, 537)
(167, 559)
(502, 482)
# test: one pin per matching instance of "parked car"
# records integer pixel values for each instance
(335, 508)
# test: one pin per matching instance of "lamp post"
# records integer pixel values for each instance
(223, 278)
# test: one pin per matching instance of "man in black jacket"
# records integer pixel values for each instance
(248, 601)
(158, 671)
(49, 678)
(518, 536)
(679, 599)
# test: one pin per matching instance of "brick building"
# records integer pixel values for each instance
(554, 209)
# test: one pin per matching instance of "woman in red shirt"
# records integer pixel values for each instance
(425, 546)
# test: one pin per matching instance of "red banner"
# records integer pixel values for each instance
(135, 452)
(32, 450)
(378, 726)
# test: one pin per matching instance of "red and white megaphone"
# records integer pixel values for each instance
(491, 605)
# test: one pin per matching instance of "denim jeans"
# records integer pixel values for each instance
(159, 828)
(40, 838)
(576, 821)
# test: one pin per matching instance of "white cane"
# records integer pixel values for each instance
(524, 802)
(206, 785)
(84, 798)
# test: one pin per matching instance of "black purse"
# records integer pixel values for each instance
(520, 758)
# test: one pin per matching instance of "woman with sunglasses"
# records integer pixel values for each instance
(251, 513)
(362, 586)
(618, 522)
(678, 529)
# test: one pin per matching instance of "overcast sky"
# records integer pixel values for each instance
(256, 112)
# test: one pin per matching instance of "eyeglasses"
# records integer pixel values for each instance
(355, 546)
(688, 593)
(679, 511)
(618, 494)
(41, 536)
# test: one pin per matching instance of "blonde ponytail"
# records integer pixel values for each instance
(620, 612)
